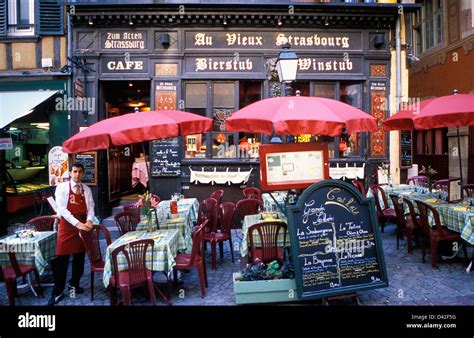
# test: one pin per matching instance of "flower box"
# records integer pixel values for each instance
(265, 291)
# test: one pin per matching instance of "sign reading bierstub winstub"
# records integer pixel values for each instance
(335, 241)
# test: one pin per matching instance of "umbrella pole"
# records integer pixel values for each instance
(460, 161)
(147, 167)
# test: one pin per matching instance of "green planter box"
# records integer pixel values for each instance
(265, 291)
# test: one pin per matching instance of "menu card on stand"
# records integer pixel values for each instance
(454, 190)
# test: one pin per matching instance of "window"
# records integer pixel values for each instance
(433, 23)
(467, 20)
(21, 18)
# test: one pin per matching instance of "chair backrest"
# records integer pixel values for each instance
(469, 190)
(268, 235)
(359, 186)
(417, 180)
(252, 192)
(248, 206)
(441, 183)
(43, 223)
(217, 195)
(125, 222)
(399, 210)
(135, 255)
(379, 193)
(197, 250)
(133, 209)
(91, 240)
(226, 215)
(414, 216)
(424, 210)
(207, 211)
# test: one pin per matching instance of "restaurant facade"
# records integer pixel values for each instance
(214, 59)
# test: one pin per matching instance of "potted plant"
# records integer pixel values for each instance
(265, 283)
(428, 171)
(148, 202)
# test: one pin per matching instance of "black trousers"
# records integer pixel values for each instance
(60, 266)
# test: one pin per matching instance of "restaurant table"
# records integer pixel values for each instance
(269, 203)
(391, 189)
(162, 259)
(184, 222)
(250, 220)
(38, 250)
(140, 173)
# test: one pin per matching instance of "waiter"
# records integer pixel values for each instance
(75, 207)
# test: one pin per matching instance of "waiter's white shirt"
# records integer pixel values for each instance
(62, 199)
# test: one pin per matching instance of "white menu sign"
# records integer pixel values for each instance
(290, 166)
(58, 166)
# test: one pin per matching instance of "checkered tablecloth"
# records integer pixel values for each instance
(269, 203)
(250, 220)
(162, 258)
(39, 250)
(396, 189)
(458, 217)
(187, 215)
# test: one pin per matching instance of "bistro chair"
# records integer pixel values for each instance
(207, 211)
(439, 184)
(418, 180)
(125, 221)
(404, 224)
(225, 214)
(43, 223)
(248, 206)
(359, 187)
(22, 270)
(267, 249)
(134, 210)
(217, 195)
(8, 276)
(252, 192)
(195, 259)
(92, 244)
(384, 214)
(137, 275)
(468, 190)
(435, 234)
(415, 219)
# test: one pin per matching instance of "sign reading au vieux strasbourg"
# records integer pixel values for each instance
(335, 241)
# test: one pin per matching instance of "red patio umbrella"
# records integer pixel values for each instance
(403, 119)
(292, 115)
(136, 127)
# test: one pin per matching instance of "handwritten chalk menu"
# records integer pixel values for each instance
(335, 241)
(406, 149)
(89, 161)
(165, 159)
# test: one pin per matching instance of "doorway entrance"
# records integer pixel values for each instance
(123, 97)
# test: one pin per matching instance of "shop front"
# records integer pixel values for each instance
(197, 65)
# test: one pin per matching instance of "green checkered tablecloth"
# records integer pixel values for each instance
(458, 217)
(269, 203)
(250, 220)
(39, 250)
(164, 253)
(187, 215)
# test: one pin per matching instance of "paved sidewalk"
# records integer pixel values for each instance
(411, 283)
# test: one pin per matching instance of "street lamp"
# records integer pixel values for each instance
(287, 66)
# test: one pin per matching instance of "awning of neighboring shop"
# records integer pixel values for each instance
(14, 105)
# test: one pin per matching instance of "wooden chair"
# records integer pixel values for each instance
(404, 224)
(268, 249)
(252, 192)
(43, 223)
(384, 214)
(217, 195)
(436, 234)
(91, 243)
(207, 211)
(359, 187)
(468, 190)
(125, 221)
(195, 259)
(418, 180)
(441, 183)
(225, 214)
(137, 275)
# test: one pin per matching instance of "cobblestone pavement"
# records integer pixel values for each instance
(410, 283)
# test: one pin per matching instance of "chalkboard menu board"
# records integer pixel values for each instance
(89, 161)
(165, 159)
(335, 241)
(406, 149)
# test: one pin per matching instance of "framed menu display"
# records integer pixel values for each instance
(406, 149)
(454, 190)
(293, 166)
(89, 161)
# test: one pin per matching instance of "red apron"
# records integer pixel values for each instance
(69, 241)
